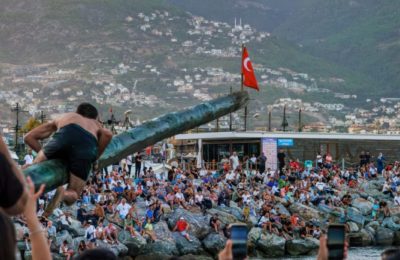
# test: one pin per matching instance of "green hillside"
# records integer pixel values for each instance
(361, 37)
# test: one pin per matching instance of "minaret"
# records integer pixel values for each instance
(235, 22)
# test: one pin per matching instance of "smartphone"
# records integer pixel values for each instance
(336, 239)
(239, 241)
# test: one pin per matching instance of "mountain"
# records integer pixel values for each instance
(153, 57)
(359, 36)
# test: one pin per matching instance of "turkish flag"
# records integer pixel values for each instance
(249, 78)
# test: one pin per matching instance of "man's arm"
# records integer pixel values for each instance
(39, 133)
(104, 137)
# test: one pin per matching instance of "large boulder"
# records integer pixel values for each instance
(391, 224)
(270, 245)
(134, 244)
(162, 232)
(118, 249)
(161, 249)
(282, 209)
(186, 247)
(225, 217)
(353, 227)
(62, 236)
(77, 226)
(302, 246)
(213, 243)
(396, 238)
(363, 205)
(384, 237)
(362, 238)
(374, 225)
(305, 212)
(199, 225)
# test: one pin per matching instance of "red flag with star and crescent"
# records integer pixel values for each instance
(249, 78)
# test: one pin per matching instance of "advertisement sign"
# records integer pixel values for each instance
(285, 142)
(270, 149)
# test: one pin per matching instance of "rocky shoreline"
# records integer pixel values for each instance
(363, 230)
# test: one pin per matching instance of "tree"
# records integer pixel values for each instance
(32, 123)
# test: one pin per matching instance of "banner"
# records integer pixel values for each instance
(270, 149)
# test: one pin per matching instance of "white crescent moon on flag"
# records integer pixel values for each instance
(245, 62)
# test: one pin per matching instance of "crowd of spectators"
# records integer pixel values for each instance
(110, 197)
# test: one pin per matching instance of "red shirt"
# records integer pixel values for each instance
(181, 225)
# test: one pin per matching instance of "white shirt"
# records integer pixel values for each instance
(253, 159)
(28, 159)
(123, 209)
(320, 185)
(179, 195)
(90, 232)
(235, 161)
(129, 160)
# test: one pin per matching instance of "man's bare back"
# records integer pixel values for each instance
(91, 125)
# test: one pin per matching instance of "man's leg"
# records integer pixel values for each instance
(55, 201)
(74, 189)
(41, 157)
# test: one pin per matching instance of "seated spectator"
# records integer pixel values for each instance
(182, 227)
(51, 232)
(90, 235)
(65, 251)
(215, 223)
(148, 229)
(111, 234)
(82, 247)
(100, 232)
(122, 209)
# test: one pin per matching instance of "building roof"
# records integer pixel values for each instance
(293, 135)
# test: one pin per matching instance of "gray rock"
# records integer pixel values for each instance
(118, 249)
(224, 216)
(302, 246)
(363, 205)
(185, 247)
(161, 248)
(283, 209)
(396, 238)
(374, 225)
(213, 243)
(384, 237)
(390, 224)
(270, 245)
(77, 226)
(305, 212)
(199, 225)
(362, 238)
(135, 244)
(353, 227)
(153, 256)
(61, 236)
(162, 231)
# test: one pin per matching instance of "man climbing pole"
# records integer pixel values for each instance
(79, 139)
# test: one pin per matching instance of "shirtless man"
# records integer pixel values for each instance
(79, 139)
(13, 195)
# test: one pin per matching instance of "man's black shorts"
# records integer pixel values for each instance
(75, 145)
